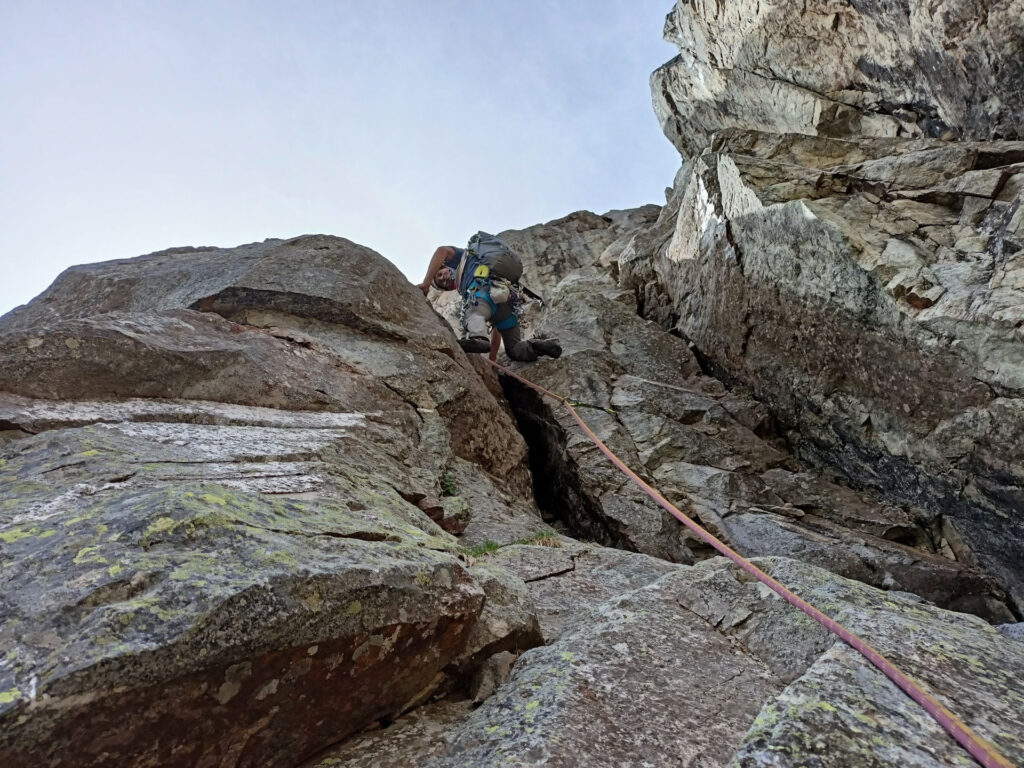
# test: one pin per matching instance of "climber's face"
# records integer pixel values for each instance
(444, 280)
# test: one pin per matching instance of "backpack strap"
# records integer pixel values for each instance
(459, 271)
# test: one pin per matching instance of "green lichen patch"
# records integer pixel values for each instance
(18, 532)
(10, 695)
(200, 568)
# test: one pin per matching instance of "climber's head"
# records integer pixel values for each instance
(444, 279)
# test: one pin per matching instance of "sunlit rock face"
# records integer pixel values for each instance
(951, 69)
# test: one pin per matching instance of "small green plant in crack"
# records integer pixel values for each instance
(744, 392)
(448, 487)
(484, 549)
(543, 539)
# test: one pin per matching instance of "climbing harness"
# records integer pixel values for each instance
(493, 290)
(981, 750)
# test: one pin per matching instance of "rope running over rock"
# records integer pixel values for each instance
(981, 750)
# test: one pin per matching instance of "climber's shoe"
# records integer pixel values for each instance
(549, 347)
(475, 344)
(522, 352)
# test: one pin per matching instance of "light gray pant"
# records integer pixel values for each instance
(478, 315)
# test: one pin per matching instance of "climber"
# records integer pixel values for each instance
(486, 274)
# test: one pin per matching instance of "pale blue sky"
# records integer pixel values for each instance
(134, 126)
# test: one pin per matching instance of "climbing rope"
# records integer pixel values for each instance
(980, 749)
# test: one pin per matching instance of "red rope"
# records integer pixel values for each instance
(980, 749)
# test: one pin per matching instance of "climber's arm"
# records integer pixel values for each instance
(441, 255)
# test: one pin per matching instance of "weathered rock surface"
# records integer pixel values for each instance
(411, 740)
(338, 307)
(918, 68)
(862, 279)
(567, 581)
(650, 664)
(218, 567)
(884, 326)
(703, 668)
(259, 509)
(714, 453)
(213, 543)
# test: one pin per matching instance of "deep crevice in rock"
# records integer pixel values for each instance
(556, 483)
(18, 429)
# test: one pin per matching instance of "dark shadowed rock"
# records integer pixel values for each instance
(412, 739)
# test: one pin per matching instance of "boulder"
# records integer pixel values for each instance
(213, 539)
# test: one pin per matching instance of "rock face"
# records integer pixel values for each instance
(259, 509)
(212, 550)
(950, 69)
(825, 250)
(700, 668)
(714, 453)
(224, 519)
(885, 326)
(650, 664)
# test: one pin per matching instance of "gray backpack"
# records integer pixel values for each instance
(502, 260)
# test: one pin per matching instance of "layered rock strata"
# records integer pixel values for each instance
(951, 69)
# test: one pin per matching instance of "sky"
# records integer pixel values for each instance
(131, 126)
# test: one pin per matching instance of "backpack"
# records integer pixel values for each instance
(500, 259)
